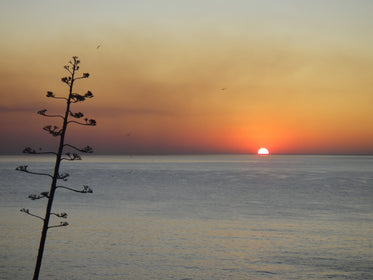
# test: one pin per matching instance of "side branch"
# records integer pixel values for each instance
(77, 115)
(75, 97)
(60, 215)
(29, 150)
(27, 211)
(85, 75)
(23, 168)
(63, 176)
(53, 130)
(86, 189)
(51, 94)
(62, 224)
(67, 67)
(89, 122)
(86, 149)
(73, 156)
(41, 195)
(43, 113)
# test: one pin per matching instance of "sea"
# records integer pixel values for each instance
(192, 217)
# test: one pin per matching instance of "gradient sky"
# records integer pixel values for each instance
(298, 75)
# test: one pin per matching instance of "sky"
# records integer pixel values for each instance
(191, 77)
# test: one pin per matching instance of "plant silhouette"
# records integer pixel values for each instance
(67, 118)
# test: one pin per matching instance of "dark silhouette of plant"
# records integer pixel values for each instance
(72, 68)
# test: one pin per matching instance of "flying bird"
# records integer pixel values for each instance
(99, 46)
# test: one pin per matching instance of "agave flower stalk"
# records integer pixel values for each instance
(60, 132)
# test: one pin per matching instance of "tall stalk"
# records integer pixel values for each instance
(60, 155)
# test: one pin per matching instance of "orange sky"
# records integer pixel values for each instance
(297, 78)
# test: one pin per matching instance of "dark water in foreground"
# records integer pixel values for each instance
(194, 217)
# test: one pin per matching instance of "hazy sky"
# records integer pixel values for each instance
(298, 75)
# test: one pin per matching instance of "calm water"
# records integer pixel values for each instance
(194, 217)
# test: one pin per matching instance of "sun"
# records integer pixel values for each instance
(263, 151)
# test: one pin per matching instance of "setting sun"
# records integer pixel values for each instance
(263, 151)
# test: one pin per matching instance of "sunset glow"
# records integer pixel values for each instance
(181, 77)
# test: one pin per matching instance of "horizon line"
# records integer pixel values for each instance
(203, 154)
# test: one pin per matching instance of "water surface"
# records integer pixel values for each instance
(194, 217)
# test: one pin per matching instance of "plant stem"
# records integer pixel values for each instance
(54, 180)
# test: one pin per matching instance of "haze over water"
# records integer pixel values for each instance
(194, 217)
(191, 76)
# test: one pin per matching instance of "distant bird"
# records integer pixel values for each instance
(99, 46)
(223, 88)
